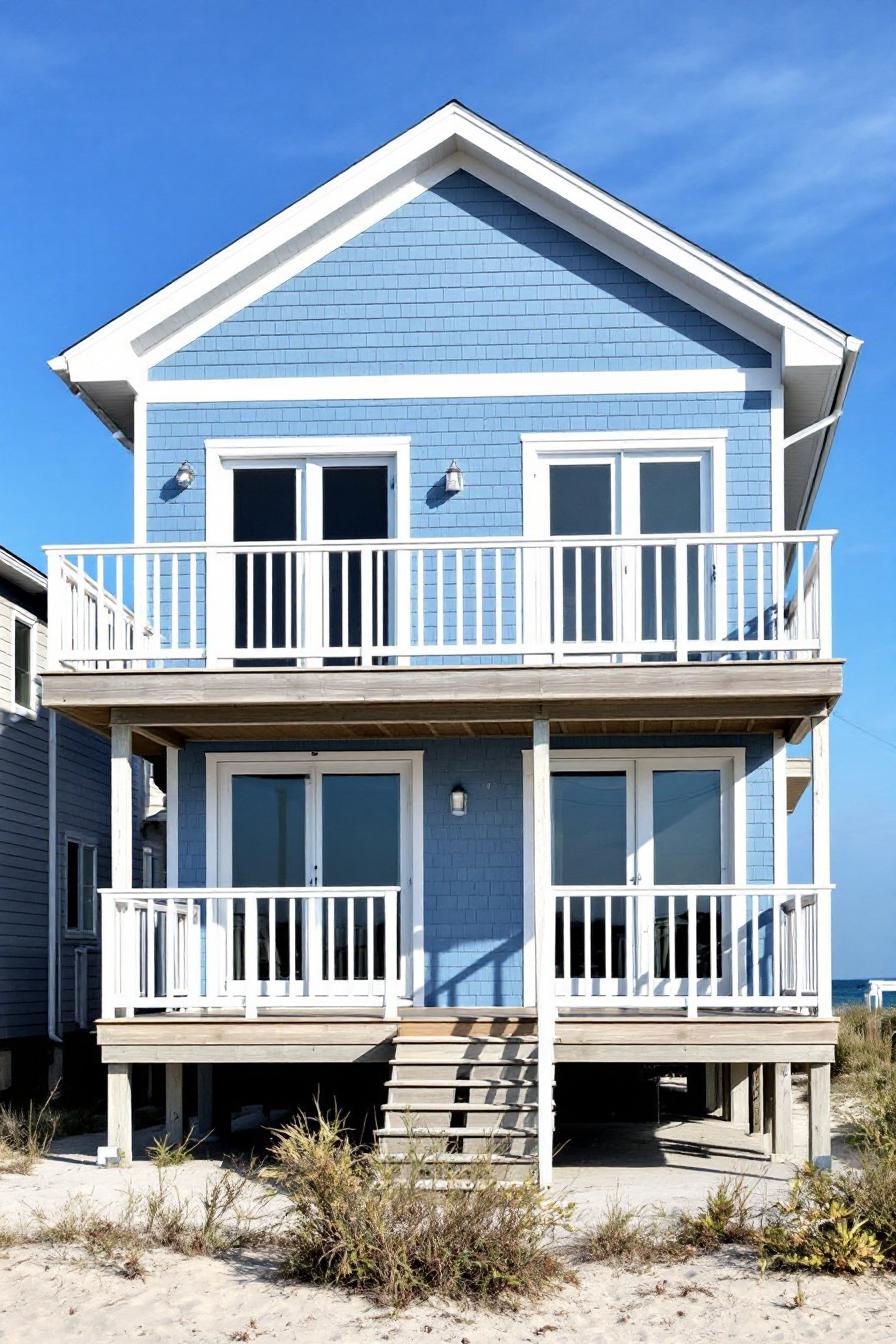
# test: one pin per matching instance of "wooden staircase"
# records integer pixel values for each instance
(456, 1098)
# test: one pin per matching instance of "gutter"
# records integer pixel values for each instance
(851, 354)
(52, 901)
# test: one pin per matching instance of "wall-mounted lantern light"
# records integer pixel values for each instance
(184, 476)
(454, 479)
(458, 801)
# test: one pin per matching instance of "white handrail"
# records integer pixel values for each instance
(747, 947)
(709, 596)
(194, 948)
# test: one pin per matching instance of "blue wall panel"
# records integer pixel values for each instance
(462, 280)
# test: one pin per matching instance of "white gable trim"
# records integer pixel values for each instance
(135, 339)
(420, 386)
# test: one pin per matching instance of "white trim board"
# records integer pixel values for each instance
(222, 766)
(425, 386)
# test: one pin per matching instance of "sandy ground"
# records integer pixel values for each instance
(49, 1294)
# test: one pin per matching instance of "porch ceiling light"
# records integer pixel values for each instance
(458, 801)
(184, 476)
(454, 479)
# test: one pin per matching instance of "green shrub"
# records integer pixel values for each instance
(863, 1050)
(819, 1226)
(724, 1220)
(363, 1222)
(163, 1153)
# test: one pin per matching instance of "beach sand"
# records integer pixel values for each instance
(50, 1294)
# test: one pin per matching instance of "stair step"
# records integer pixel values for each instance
(461, 1159)
(495, 1106)
(478, 1084)
(493, 1055)
(456, 1131)
(465, 1040)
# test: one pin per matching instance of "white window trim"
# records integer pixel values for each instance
(18, 614)
(84, 842)
(221, 455)
(540, 450)
(585, 759)
(220, 768)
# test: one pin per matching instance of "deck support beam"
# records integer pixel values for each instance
(205, 1120)
(544, 943)
(782, 1112)
(820, 1115)
(739, 1096)
(174, 1103)
(119, 1125)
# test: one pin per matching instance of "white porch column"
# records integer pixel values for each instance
(122, 808)
(172, 833)
(544, 943)
(821, 856)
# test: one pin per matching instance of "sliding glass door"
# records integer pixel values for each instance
(628, 826)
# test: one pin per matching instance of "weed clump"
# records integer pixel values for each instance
(409, 1231)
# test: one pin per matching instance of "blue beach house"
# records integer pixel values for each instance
(472, 607)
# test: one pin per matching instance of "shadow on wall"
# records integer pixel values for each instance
(453, 991)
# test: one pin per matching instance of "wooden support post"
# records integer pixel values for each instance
(755, 1098)
(768, 1106)
(782, 1113)
(119, 1128)
(205, 1120)
(544, 943)
(713, 1088)
(174, 1102)
(739, 1094)
(820, 1114)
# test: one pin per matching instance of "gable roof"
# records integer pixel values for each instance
(816, 358)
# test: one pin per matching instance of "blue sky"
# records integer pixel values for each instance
(136, 139)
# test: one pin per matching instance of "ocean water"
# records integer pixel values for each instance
(854, 991)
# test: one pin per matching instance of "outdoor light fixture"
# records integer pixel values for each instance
(454, 479)
(184, 476)
(458, 801)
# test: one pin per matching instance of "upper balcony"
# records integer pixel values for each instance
(483, 601)
(435, 636)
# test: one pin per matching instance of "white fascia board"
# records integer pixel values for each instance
(427, 151)
(424, 386)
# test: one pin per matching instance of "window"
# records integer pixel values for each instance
(80, 888)
(22, 690)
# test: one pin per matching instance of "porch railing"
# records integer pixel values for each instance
(702, 596)
(693, 947)
(238, 948)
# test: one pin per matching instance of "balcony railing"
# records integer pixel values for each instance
(238, 948)
(700, 597)
(753, 947)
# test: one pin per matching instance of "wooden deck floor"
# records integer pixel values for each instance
(347, 1036)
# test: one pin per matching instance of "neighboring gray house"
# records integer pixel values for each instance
(54, 854)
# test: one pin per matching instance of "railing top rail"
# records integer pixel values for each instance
(433, 543)
(721, 889)
(239, 893)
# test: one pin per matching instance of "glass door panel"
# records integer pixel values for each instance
(268, 850)
(265, 508)
(670, 500)
(355, 507)
(360, 846)
(591, 847)
(581, 505)
(687, 851)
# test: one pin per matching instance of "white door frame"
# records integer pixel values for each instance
(731, 761)
(308, 457)
(220, 768)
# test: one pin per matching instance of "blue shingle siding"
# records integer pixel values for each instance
(484, 436)
(473, 866)
(462, 280)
